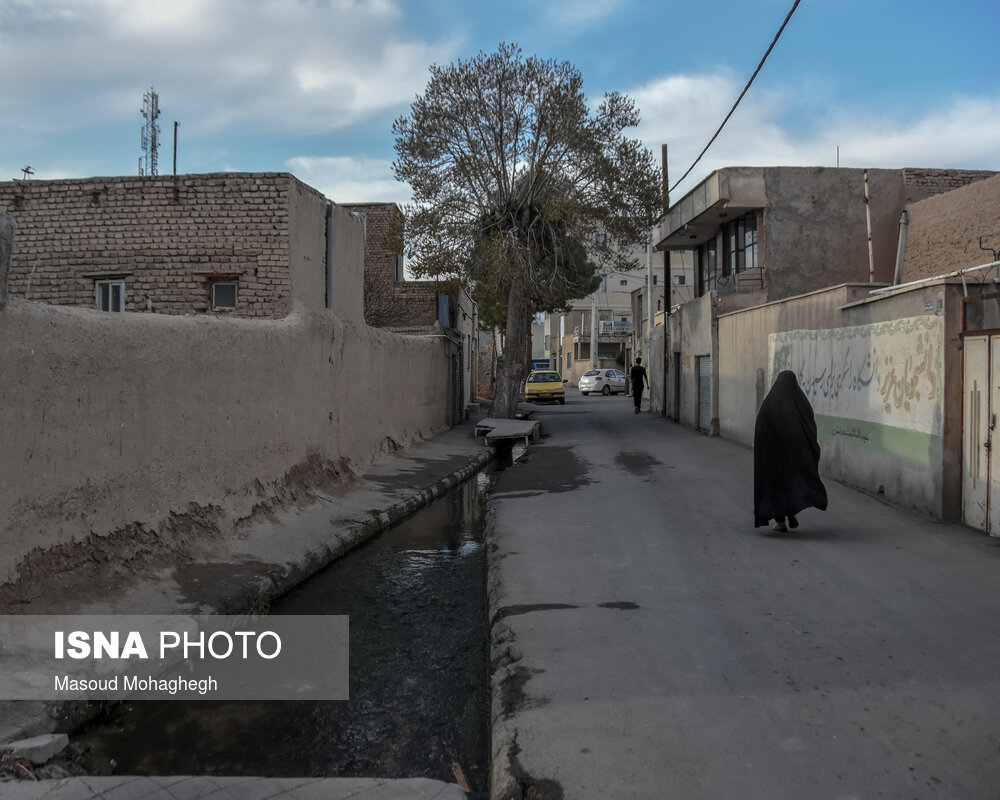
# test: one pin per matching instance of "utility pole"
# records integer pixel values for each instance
(668, 287)
(593, 331)
(602, 245)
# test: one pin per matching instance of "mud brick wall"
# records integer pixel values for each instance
(166, 239)
(6, 244)
(391, 303)
(395, 303)
(921, 183)
(948, 232)
(417, 303)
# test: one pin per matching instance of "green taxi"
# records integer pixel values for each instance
(544, 386)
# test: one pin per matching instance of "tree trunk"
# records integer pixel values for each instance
(510, 374)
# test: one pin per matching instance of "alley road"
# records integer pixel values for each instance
(670, 650)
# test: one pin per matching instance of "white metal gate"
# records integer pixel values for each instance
(705, 393)
(980, 406)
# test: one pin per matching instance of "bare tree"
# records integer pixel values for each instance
(513, 177)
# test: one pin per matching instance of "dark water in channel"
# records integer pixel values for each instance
(418, 672)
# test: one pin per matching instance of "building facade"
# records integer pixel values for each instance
(607, 315)
(898, 369)
(767, 234)
(419, 308)
(227, 243)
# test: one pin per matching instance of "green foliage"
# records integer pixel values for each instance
(513, 174)
(514, 178)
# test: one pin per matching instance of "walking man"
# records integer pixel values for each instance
(639, 381)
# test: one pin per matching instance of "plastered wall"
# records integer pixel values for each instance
(882, 374)
(692, 334)
(115, 420)
(743, 350)
(950, 231)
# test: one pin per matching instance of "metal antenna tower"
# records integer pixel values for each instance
(150, 133)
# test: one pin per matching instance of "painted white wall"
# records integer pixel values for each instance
(882, 374)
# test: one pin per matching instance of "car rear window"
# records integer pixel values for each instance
(591, 372)
(543, 377)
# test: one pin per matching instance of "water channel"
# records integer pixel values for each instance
(416, 597)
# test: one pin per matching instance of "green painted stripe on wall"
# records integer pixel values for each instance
(923, 449)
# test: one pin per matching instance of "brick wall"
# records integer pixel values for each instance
(948, 231)
(167, 244)
(6, 245)
(921, 183)
(391, 303)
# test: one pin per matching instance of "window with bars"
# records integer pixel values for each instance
(708, 266)
(740, 241)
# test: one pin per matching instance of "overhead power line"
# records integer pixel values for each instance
(738, 99)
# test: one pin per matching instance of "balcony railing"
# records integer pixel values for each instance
(619, 329)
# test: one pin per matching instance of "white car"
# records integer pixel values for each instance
(605, 381)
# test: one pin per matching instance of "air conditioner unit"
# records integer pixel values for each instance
(607, 326)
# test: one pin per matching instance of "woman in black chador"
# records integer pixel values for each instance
(785, 456)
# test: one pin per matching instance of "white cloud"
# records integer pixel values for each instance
(347, 179)
(684, 111)
(580, 13)
(275, 65)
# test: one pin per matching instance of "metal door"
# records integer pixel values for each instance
(980, 407)
(993, 453)
(705, 393)
(975, 436)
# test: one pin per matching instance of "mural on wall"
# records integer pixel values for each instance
(887, 373)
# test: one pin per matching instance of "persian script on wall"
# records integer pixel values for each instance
(886, 373)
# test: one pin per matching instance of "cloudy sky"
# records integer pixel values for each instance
(312, 86)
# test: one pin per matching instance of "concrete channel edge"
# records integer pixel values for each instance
(265, 587)
(269, 587)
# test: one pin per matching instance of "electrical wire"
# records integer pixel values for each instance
(738, 99)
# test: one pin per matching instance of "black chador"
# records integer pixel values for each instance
(785, 456)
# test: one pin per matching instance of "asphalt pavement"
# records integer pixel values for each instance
(649, 642)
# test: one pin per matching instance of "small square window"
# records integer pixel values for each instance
(110, 295)
(223, 296)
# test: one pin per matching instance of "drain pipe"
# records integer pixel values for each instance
(868, 215)
(904, 224)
